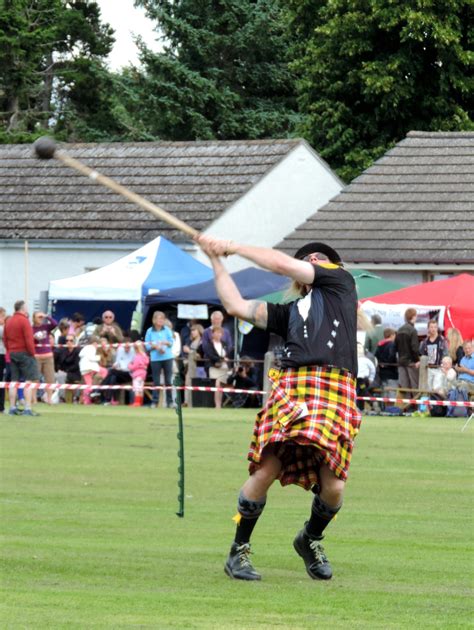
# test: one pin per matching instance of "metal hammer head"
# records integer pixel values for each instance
(44, 148)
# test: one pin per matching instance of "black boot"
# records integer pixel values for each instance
(238, 563)
(312, 552)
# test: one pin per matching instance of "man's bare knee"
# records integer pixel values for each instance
(332, 488)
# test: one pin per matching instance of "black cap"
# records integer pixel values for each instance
(322, 248)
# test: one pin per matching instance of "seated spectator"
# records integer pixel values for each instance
(138, 368)
(365, 375)
(465, 369)
(43, 326)
(106, 351)
(243, 377)
(67, 364)
(435, 347)
(118, 373)
(217, 359)
(444, 378)
(89, 366)
(386, 355)
(455, 345)
(109, 327)
(77, 327)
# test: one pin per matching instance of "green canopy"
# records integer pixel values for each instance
(367, 285)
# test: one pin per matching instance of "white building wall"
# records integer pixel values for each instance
(49, 262)
(281, 201)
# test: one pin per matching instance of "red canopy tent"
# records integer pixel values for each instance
(453, 299)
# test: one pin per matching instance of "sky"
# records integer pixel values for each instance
(126, 21)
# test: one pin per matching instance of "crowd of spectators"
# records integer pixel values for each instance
(398, 358)
(74, 351)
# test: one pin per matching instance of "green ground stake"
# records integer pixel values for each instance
(179, 410)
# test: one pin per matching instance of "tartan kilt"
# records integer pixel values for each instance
(310, 417)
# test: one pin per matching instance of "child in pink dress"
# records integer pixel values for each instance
(138, 369)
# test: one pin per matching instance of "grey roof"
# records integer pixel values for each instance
(414, 205)
(195, 181)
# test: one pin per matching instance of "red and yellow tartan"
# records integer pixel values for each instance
(325, 434)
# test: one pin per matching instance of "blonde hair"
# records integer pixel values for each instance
(199, 328)
(34, 316)
(363, 322)
(157, 314)
(139, 346)
(455, 340)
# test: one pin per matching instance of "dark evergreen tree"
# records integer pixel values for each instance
(223, 72)
(49, 51)
(369, 72)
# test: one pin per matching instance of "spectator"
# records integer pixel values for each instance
(217, 358)
(455, 345)
(89, 366)
(364, 326)
(106, 351)
(192, 357)
(110, 328)
(444, 378)
(159, 342)
(407, 345)
(61, 332)
(18, 339)
(77, 328)
(435, 347)
(365, 375)
(217, 319)
(176, 349)
(185, 332)
(386, 355)
(43, 326)
(374, 335)
(119, 373)
(138, 369)
(67, 364)
(465, 369)
(3, 314)
(244, 377)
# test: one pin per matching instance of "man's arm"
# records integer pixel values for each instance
(271, 259)
(253, 311)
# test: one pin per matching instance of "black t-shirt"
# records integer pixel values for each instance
(321, 328)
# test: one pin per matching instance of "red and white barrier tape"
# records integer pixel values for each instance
(229, 390)
(417, 401)
(82, 386)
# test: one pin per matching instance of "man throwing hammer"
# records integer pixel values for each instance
(304, 434)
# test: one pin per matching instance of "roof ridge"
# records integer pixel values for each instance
(440, 134)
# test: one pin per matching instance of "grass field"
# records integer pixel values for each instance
(91, 539)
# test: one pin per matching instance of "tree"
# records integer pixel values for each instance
(48, 48)
(223, 72)
(368, 72)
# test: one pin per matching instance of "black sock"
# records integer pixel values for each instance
(321, 515)
(249, 511)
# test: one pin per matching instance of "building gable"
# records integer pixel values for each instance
(415, 205)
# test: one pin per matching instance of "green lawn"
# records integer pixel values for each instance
(91, 539)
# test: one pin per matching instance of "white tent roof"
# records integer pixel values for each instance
(156, 266)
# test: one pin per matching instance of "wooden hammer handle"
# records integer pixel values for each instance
(158, 212)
